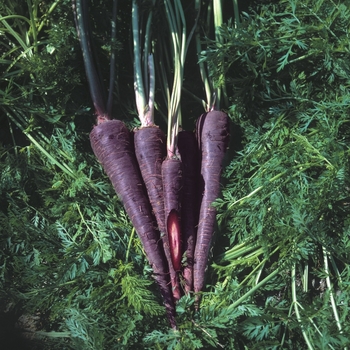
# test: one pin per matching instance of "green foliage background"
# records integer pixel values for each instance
(279, 276)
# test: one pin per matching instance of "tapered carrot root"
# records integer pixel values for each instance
(188, 150)
(150, 150)
(172, 187)
(213, 133)
(112, 145)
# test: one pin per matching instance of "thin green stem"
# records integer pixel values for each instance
(152, 76)
(16, 36)
(81, 18)
(33, 19)
(296, 309)
(23, 18)
(254, 289)
(306, 278)
(43, 19)
(217, 8)
(129, 245)
(112, 59)
(12, 135)
(259, 267)
(232, 254)
(195, 97)
(330, 288)
(256, 268)
(236, 11)
(202, 67)
(146, 52)
(177, 25)
(335, 268)
(138, 81)
(218, 21)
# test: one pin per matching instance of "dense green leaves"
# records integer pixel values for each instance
(288, 187)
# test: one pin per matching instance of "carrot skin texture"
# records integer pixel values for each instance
(172, 186)
(213, 132)
(150, 150)
(188, 150)
(112, 145)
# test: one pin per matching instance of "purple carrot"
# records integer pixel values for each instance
(213, 136)
(112, 145)
(150, 150)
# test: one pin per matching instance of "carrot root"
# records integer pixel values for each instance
(112, 144)
(213, 136)
(150, 150)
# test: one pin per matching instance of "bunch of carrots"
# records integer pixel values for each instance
(167, 184)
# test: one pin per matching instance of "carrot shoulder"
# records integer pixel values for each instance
(112, 145)
(213, 133)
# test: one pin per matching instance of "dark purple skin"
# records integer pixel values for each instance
(188, 149)
(172, 188)
(150, 150)
(112, 144)
(213, 133)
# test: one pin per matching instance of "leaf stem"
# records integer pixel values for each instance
(129, 245)
(236, 11)
(254, 289)
(296, 309)
(138, 81)
(330, 288)
(112, 59)
(81, 19)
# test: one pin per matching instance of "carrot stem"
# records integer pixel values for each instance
(138, 81)
(145, 110)
(112, 59)
(330, 288)
(81, 20)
